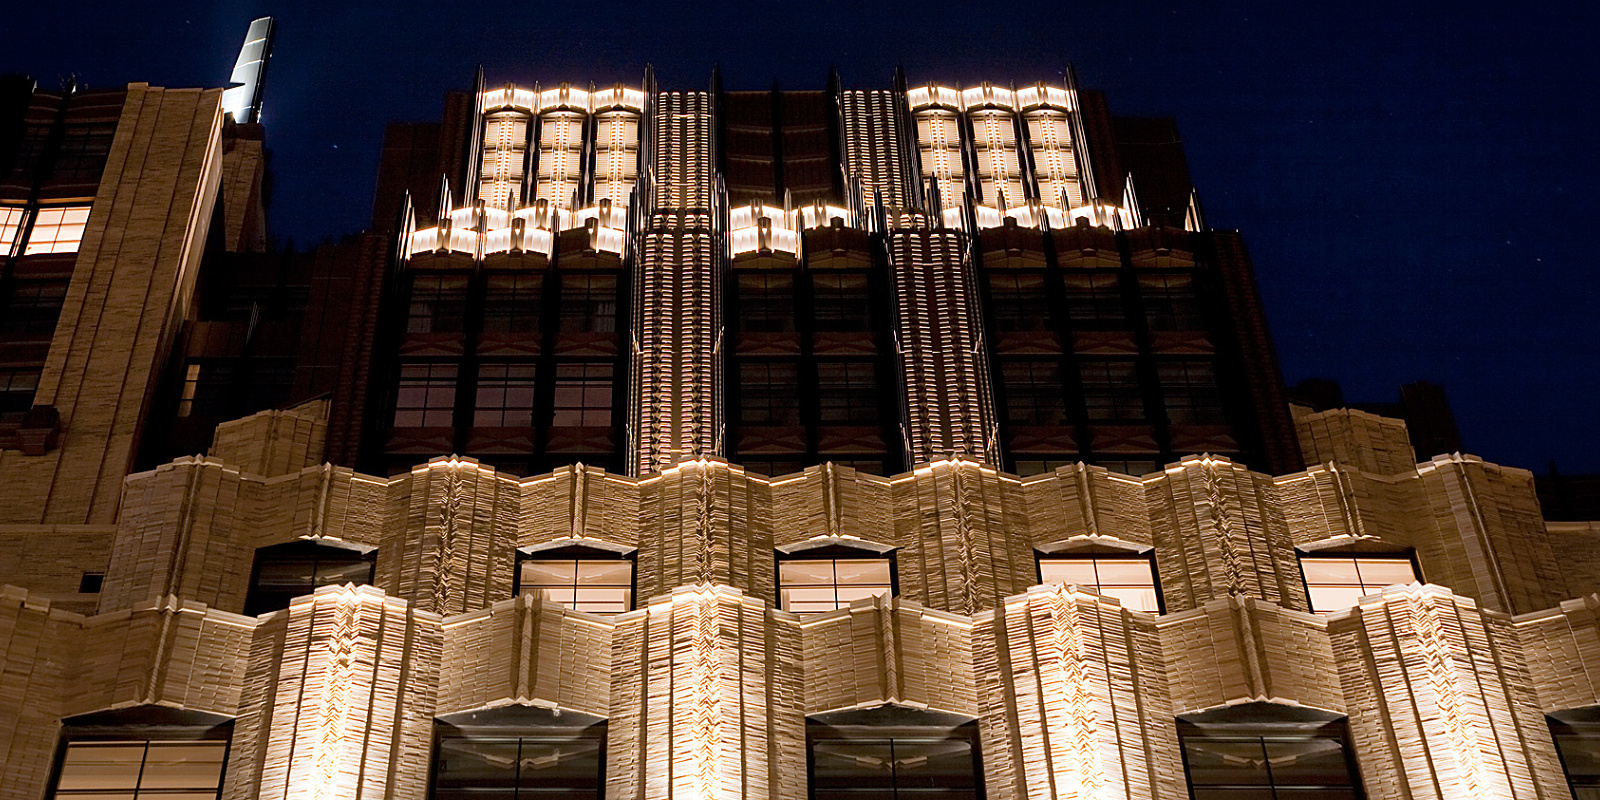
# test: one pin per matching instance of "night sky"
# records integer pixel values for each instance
(1415, 181)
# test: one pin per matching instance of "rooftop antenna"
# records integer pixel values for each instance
(242, 98)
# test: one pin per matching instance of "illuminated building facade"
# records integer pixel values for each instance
(666, 283)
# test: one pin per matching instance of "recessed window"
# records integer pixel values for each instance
(1578, 745)
(1169, 302)
(128, 770)
(512, 304)
(1111, 390)
(505, 396)
(512, 764)
(841, 302)
(1094, 300)
(10, 226)
(899, 763)
(582, 577)
(295, 569)
(808, 585)
(588, 303)
(1189, 389)
(768, 393)
(17, 388)
(34, 306)
(766, 302)
(1018, 301)
(582, 395)
(1130, 579)
(426, 396)
(1033, 392)
(91, 582)
(1268, 762)
(1340, 581)
(438, 304)
(57, 229)
(847, 393)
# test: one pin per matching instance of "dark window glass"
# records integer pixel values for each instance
(1033, 393)
(1280, 762)
(847, 393)
(1038, 466)
(503, 765)
(1019, 302)
(589, 303)
(896, 764)
(1127, 466)
(284, 572)
(1189, 390)
(426, 397)
(773, 468)
(438, 304)
(1131, 580)
(505, 396)
(1578, 744)
(841, 302)
(271, 381)
(83, 152)
(214, 389)
(583, 395)
(766, 302)
(1111, 390)
(768, 394)
(16, 393)
(30, 156)
(810, 585)
(34, 307)
(1094, 300)
(131, 769)
(512, 304)
(593, 585)
(1340, 581)
(1169, 302)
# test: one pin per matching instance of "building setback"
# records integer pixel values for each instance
(873, 442)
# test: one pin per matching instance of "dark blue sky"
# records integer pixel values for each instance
(1415, 181)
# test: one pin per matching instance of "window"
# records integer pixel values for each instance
(1577, 737)
(583, 395)
(1129, 466)
(57, 229)
(1111, 390)
(91, 582)
(1131, 579)
(1095, 300)
(133, 769)
(16, 393)
(1033, 393)
(214, 388)
(10, 226)
(841, 302)
(83, 152)
(766, 302)
(1038, 466)
(295, 569)
(519, 763)
(883, 762)
(774, 468)
(815, 581)
(1189, 389)
(1019, 302)
(512, 304)
(847, 393)
(505, 396)
(589, 303)
(1268, 762)
(1169, 302)
(438, 304)
(599, 583)
(191, 387)
(1339, 581)
(34, 307)
(427, 396)
(768, 394)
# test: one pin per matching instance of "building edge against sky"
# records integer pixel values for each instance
(813, 338)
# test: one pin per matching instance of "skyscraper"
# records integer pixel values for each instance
(742, 388)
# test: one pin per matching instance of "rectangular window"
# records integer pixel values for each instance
(841, 302)
(426, 397)
(16, 393)
(1578, 744)
(1034, 395)
(811, 585)
(438, 304)
(82, 155)
(766, 302)
(1340, 581)
(583, 395)
(847, 393)
(1018, 302)
(1233, 763)
(588, 303)
(57, 229)
(10, 227)
(215, 389)
(34, 307)
(512, 304)
(191, 386)
(505, 396)
(768, 394)
(134, 769)
(295, 569)
(499, 764)
(1111, 390)
(1189, 391)
(935, 765)
(1094, 300)
(598, 587)
(1170, 303)
(1037, 466)
(1129, 579)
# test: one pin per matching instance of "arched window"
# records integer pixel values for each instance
(1265, 751)
(828, 573)
(519, 753)
(144, 752)
(893, 753)
(293, 569)
(583, 575)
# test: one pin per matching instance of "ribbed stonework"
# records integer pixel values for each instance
(872, 144)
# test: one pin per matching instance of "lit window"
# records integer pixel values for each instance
(508, 763)
(1130, 579)
(582, 395)
(295, 569)
(10, 224)
(1340, 581)
(861, 762)
(580, 578)
(808, 584)
(57, 229)
(1269, 761)
(1578, 744)
(427, 396)
(505, 396)
(115, 770)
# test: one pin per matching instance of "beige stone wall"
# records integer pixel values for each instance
(529, 652)
(1356, 439)
(888, 650)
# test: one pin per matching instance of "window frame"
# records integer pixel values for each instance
(148, 724)
(1572, 723)
(589, 381)
(891, 723)
(576, 551)
(1408, 554)
(521, 722)
(1234, 723)
(301, 550)
(834, 550)
(1102, 552)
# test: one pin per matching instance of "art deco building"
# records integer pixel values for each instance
(740, 387)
